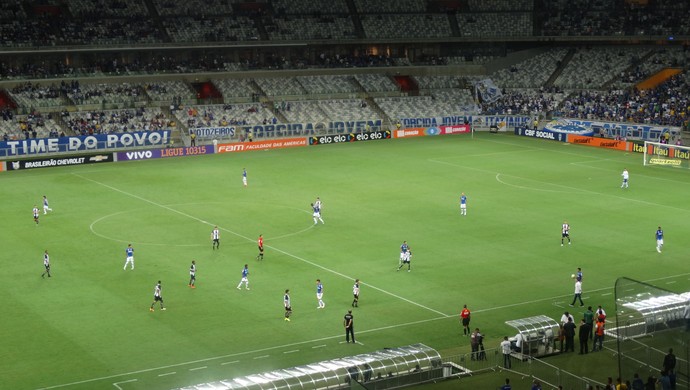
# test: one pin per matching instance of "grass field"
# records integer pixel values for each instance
(89, 325)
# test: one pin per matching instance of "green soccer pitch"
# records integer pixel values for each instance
(89, 325)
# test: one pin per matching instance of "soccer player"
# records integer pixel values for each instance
(319, 294)
(130, 257)
(405, 255)
(157, 296)
(192, 274)
(317, 202)
(578, 274)
(317, 211)
(260, 243)
(355, 294)
(215, 238)
(659, 239)
(245, 277)
(46, 264)
(35, 211)
(465, 316)
(463, 204)
(626, 176)
(565, 232)
(244, 176)
(286, 304)
(46, 208)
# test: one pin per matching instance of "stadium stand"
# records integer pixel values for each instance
(416, 26)
(591, 68)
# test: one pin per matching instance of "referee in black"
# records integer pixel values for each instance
(349, 326)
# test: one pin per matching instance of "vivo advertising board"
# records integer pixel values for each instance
(163, 153)
(38, 146)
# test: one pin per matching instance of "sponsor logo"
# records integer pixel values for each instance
(264, 145)
(433, 131)
(224, 148)
(524, 131)
(455, 129)
(98, 158)
(139, 155)
(353, 137)
(684, 154)
(56, 162)
(411, 132)
(600, 142)
(662, 161)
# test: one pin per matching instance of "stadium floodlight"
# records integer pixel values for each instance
(656, 153)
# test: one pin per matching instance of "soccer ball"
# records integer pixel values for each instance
(572, 276)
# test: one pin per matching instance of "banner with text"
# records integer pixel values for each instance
(353, 137)
(163, 153)
(543, 134)
(59, 161)
(628, 131)
(38, 146)
(599, 142)
(480, 122)
(262, 145)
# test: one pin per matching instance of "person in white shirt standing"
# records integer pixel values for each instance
(626, 176)
(578, 293)
(505, 348)
(46, 208)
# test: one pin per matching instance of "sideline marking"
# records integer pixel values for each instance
(145, 370)
(198, 368)
(168, 373)
(116, 384)
(232, 362)
(319, 346)
(262, 357)
(252, 240)
(292, 351)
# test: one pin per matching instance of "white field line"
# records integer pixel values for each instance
(291, 345)
(116, 384)
(252, 240)
(568, 188)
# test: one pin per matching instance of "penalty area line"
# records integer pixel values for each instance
(117, 384)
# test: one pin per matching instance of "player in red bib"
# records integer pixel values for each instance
(465, 317)
(260, 243)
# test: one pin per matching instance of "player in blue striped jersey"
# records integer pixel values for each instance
(659, 239)
(245, 277)
(319, 294)
(463, 204)
(405, 255)
(316, 206)
(130, 257)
